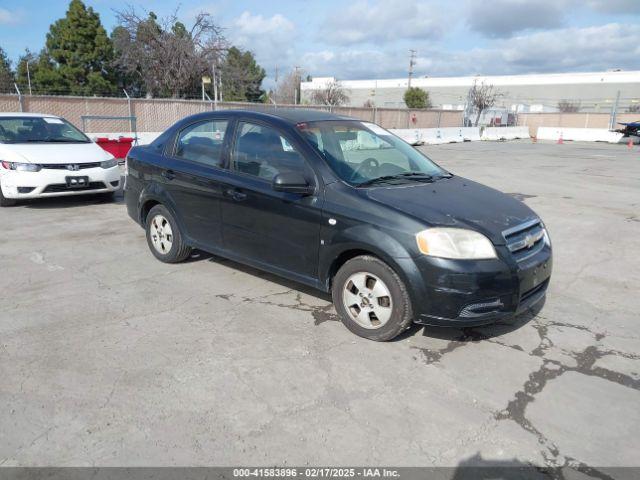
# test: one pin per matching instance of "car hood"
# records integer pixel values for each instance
(48, 153)
(456, 202)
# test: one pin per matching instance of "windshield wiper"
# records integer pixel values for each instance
(418, 176)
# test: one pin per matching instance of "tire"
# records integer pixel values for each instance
(383, 311)
(164, 237)
(6, 202)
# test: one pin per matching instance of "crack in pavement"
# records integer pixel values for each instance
(549, 370)
(516, 408)
(320, 314)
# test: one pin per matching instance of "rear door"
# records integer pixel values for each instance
(192, 178)
(276, 229)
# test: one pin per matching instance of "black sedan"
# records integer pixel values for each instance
(346, 207)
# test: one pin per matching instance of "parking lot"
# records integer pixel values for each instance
(109, 357)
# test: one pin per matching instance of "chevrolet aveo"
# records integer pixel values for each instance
(46, 156)
(346, 207)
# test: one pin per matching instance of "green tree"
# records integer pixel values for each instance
(78, 55)
(241, 77)
(6, 74)
(415, 97)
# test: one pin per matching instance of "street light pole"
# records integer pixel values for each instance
(412, 62)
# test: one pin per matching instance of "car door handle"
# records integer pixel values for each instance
(168, 174)
(235, 194)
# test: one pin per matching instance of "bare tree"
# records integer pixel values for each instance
(332, 94)
(481, 97)
(287, 89)
(568, 106)
(165, 56)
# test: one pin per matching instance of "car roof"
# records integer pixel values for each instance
(25, 115)
(291, 116)
(298, 115)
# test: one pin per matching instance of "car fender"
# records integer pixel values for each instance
(366, 238)
(155, 192)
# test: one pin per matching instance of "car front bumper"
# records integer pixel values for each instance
(468, 293)
(52, 182)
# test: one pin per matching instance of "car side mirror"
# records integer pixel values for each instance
(292, 182)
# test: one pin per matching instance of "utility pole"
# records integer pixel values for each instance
(215, 86)
(297, 83)
(412, 62)
(28, 76)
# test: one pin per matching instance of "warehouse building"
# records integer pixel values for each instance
(584, 92)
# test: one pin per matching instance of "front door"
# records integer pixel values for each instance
(275, 229)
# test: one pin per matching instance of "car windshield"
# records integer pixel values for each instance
(362, 153)
(39, 130)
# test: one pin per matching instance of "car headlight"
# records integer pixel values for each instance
(456, 243)
(109, 163)
(21, 167)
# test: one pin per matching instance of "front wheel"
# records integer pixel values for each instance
(372, 299)
(164, 237)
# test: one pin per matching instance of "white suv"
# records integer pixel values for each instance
(46, 156)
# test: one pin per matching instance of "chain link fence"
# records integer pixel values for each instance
(155, 115)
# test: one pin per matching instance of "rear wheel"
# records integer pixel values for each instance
(6, 202)
(372, 299)
(164, 237)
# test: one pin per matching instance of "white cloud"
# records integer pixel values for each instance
(506, 18)
(570, 49)
(8, 17)
(503, 18)
(271, 39)
(256, 26)
(382, 21)
(615, 6)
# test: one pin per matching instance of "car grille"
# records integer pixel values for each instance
(62, 187)
(525, 240)
(71, 166)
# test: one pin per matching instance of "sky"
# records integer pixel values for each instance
(363, 39)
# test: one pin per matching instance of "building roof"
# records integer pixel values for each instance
(497, 80)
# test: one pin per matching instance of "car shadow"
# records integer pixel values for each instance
(478, 468)
(73, 201)
(484, 332)
(199, 255)
(465, 334)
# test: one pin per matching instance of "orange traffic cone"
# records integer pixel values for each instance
(630, 144)
(560, 141)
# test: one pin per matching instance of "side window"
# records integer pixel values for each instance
(202, 142)
(261, 151)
